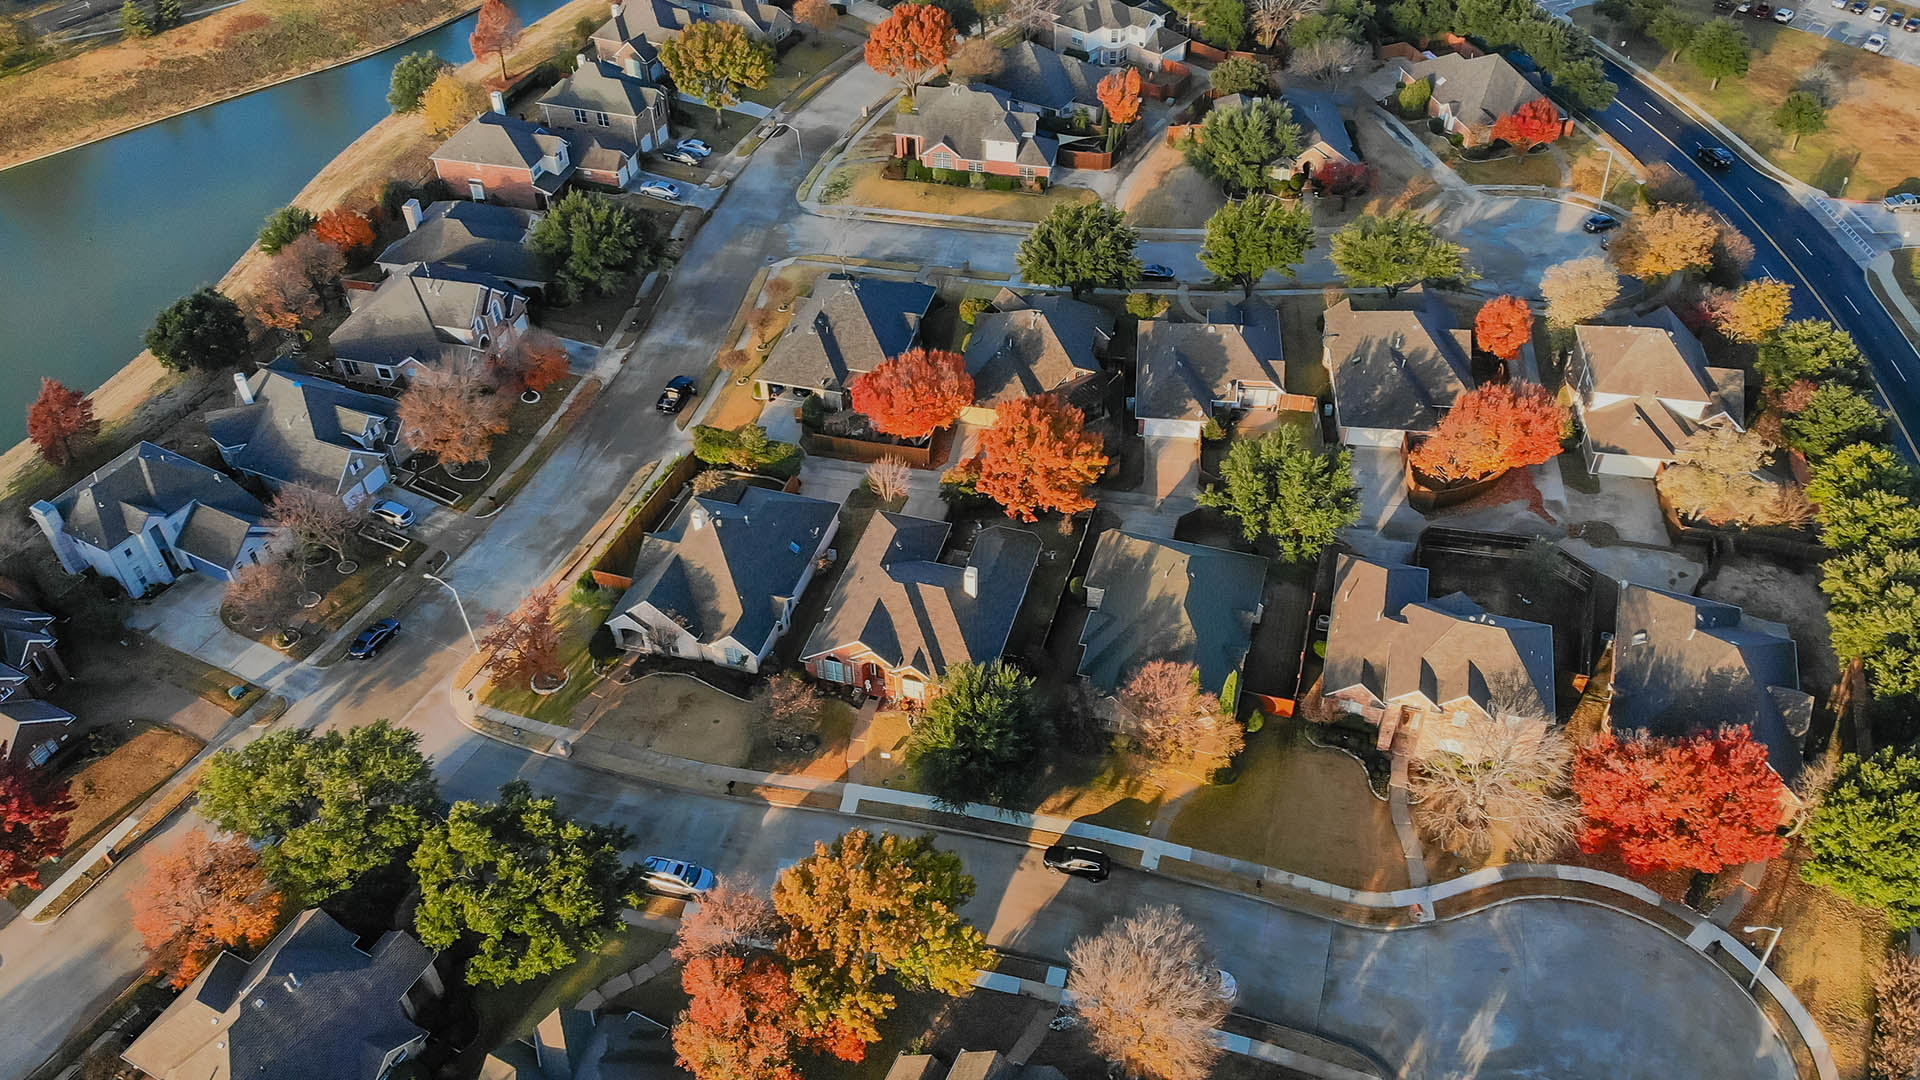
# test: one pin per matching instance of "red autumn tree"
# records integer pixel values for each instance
(33, 825)
(911, 43)
(1345, 177)
(1120, 93)
(524, 646)
(497, 31)
(738, 1024)
(201, 897)
(57, 418)
(1702, 803)
(1504, 326)
(1536, 122)
(914, 393)
(345, 229)
(1037, 456)
(292, 291)
(1491, 429)
(534, 361)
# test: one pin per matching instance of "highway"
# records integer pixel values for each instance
(1790, 241)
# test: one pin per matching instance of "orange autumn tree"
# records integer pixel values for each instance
(497, 31)
(203, 896)
(1120, 93)
(1037, 456)
(1503, 326)
(738, 1024)
(533, 361)
(1492, 429)
(1536, 122)
(911, 43)
(915, 393)
(1701, 803)
(345, 229)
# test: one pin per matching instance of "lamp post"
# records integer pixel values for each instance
(457, 602)
(1764, 955)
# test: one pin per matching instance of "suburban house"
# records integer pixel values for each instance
(151, 515)
(1323, 133)
(968, 1065)
(612, 116)
(634, 32)
(312, 1006)
(1190, 373)
(1154, 599)
(1403, 662)
(30, 664)
(1641, 391)
(899, 617)
(497, 158)
(974, 130)
(721, 582)
(848, 326)
(763, 22)
(579, 1044)
(432, 317)
(1394, 372)
(473, 237)
(33, 732)
(1043, 344)
(294, 428)
(1037, 79)
(1111, 34)
(1469, 93)
(1683, 665)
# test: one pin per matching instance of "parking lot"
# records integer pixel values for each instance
(1843, 25)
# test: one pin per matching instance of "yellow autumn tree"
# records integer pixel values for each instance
(449, 103)
(1756, 311)
(1668, 240)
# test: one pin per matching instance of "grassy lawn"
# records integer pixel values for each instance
(1867, 147)
(1587, 164)
(1906, 271)
(800, 64)
(673, 714)
(511, 1012)
(1171, 194)
(577, 622)
(156, 661)
(1527, 170)
(341, 596)
(866, 187)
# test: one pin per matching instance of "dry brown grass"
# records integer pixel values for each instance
(106, 789)
(871, 189)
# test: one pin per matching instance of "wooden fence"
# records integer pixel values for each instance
(614, 568)
(1085, 159)
(833, 446)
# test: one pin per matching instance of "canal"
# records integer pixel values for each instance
(95, 241)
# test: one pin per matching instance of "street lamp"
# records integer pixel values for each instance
(459, 604)
(1764, 955)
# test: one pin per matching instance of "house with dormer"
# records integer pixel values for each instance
(849, 325)
(497, 158)
(975, 129)
(1640, 392)
(1469, 94)
(430, 318)
(1190, 373)
(1114, 34)
(633, 33)
(291, 427)
(477, 238)
(610, 115)
(1039, 344)
(1395, 373)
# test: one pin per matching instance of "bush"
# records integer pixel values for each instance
(917, 171)
(1146, 305)
(1413, 98)
(1230, 692)
(1213, 430)
(282, 226)
(970, 310)
(1001, 183)
(1080, 54)
(1255, 722)
(956, 177)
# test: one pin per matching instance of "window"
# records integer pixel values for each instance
(602, 118)
(579, 116)
(736, 658)
(832, 670)
(350, 367)
(1639, 637)
(977, 166)
(356, 467)
(383, 372)
(1026, 172)
(943, 161)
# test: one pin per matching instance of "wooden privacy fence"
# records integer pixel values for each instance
(614, 568)
(1085, 159)
(919, 457)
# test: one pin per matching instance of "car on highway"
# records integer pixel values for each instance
(370, 641)
(674, 877)
(1600, 223)
(386, 511)
(1905, 202)
(1156, 272)
(1717, 158)
(697, 147)
(1784, 15)
(1090, 863)
(680, 390)
(660, 189)
(682, 157)
(1876, 43)
(1878, 14)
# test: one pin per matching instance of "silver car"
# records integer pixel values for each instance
(675, 877)
(398, 515)
(660, 189)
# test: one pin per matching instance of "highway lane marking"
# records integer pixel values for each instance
(1803, 245)
(1623, 123)
(1655, 108)
(1756, 198)
(1854, 306)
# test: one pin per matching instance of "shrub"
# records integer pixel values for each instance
(1213, 430)
(972, 308)
(955, 177)
(1413, 98)
(1001, 183)
(282, 226)
(1146, 305)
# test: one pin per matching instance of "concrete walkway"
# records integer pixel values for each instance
(1399, 806)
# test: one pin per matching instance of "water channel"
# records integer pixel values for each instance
(95, 241)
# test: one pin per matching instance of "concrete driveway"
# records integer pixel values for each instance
(1512, 241)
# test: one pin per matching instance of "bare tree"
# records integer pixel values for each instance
(1172, 716)
(453, 416)
(791, 703)
(1896, 1021)
(888, 478)
(1270, 18)
(525, 645)
(1150, 995)
(264, 592)
(976, 60)
(728, 918)
(1507, 778)
(1328, 60)
(313, 518)
(1033, 17)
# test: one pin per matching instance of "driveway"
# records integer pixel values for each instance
(690, 194)
(1512, 241)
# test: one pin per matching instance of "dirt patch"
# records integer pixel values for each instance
(1770, 591)
(107, 788)
(1397, 177)
(1165, 192)
(673, 714)
(866, 187)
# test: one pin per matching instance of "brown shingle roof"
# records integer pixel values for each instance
(964, 119)
(1396, 370)
(1480, 89)
(1036, 346)
(1185, 367)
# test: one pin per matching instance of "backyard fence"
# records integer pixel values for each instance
(833, 446)
(1085, 159)
(614, 568)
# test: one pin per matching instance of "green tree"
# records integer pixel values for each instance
(134, 22)
(1873, 615)
(1081, 246)
(202, 330)
(1862, 468)
(1835, 416)
(1395, 250)
(743, 447)
(1873, 521)
(1240, 75)
(530, 890)
(1810, 349)
(1321, 27)
(1421, 20)
(1236, 145)
(1864, 839)
(594, 241)
(282, 226)
(1246, 239)
(1673, 31)
(1720, 49)
(714, 61)
(1414, 97)
(977, 739)
(1220, 23)
(1282, 489)
(1800, 114)
(411, 77)
(325, 808)
(1584, 83)
(167, 14)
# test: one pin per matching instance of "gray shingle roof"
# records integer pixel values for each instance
(409, 316)
(1684, 665)
(18, 713)
(848, 326)
(1101, 14)
(310, 1007)
(1034, 346)
(482, 238)
(301, 429)
(147, 481)
(600, 86)
(1318, 114)
(1479, 90)
(20, 631)
(726, 568)
(1167, 600)
(1397, 370)
(493, 139)
(964, 119)
(1039, 76)
(1185, 367)
(910, 610)
(639, 27)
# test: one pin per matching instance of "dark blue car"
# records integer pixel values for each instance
(368, 644)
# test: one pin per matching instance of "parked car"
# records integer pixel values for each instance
(1762, 11)
(1717, 158)
(1905, 202)
(682, 157)
(1878, 13)
(1727, 5)
(1858, 7)
(1894, 20)
(1090, 863)
(388, 512)
(1876, 43)
(1745, 7)
(697, 147)
(1839, 5)
(674, 877)
(1784, 15)
(660, 189)
(680, 390)
(1600, 223)
(1913, 23)
(377, 634)
(1156, 272)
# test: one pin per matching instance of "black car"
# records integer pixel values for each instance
(1156, 272)
(679, 391)
(372, 638)
(1600, 223)
(1717, 158)
(1090, 863)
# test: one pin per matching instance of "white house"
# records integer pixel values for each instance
(722, 582)
(149, 516)
(291, 427)
(1112, 33)
(1641, 391)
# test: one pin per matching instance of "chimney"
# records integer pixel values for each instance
(242, 388)
(633, 68)
(498, 101)
(54, 527)
(410, 210)
(616, 11)
(579, 61)
(293, 982)
(699, 517)
(970, 581)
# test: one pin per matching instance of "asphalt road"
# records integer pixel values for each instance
(1790, 242)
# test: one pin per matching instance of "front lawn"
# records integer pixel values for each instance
(578, 619)
(677, 715)
(865, 186)
(511, 1012)
(798, 67)
(1525, 170)
(1300, 319)
(341, 595)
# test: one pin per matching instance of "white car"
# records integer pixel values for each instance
(660, 189)
(1839, 5)
(397, 515)
(1784, 15)
(1878, 14)
(674, 877)
(1906, 201)
(1875, 43)
(697, 147)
